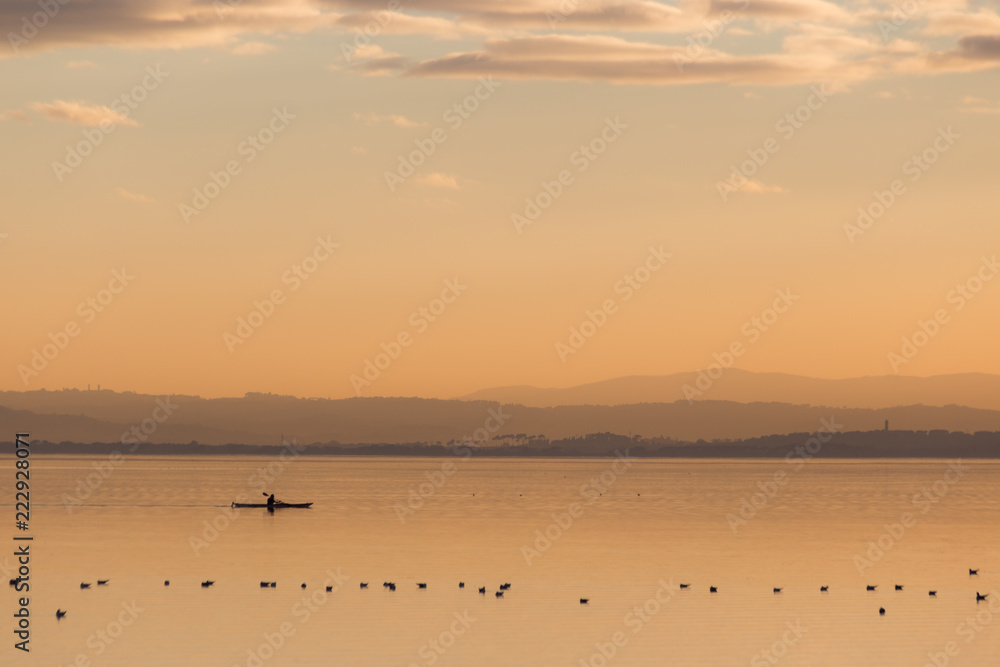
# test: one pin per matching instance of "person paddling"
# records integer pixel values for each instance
(270, 502)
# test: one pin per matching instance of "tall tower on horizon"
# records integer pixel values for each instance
(886, 424)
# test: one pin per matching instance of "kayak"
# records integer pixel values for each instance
(277, 505)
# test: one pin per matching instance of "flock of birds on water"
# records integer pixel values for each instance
(388, 585)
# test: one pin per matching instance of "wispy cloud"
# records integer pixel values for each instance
(757, 188)
(80, 113)
(439, 180)
(132, 196)
(979, 105)
(15, 114)
(395, 119)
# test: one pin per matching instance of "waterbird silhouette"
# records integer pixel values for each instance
(932, 593)
(84, 585)
(60, 613)
(881, 611)
(364, 584)
(824, 589)
(461, 584)
(421, 585)
(777, 590)
(499, 594)
(504, 587)
(483, 590)
(265, 584)
(713, 589)
(584, 600)
(303, 585)
(13, 582)
(166, 583)
(973, 573)
(981, 596)
(206, 584)
(103, 582)
(274, 584)
(898, 587)
(683, 586)
(871, 588)
(392, 587)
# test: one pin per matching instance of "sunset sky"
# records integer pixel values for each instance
(693, 165)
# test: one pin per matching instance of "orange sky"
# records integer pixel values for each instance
(489, 195)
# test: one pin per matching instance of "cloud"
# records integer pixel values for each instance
(612, 59)
(757, 188)
(395, 119)
(81, 114)
(165, 24)
(15, 114)
(792, 10)
(438, 180)
(979, 105)
(252, 48)
(131, 196)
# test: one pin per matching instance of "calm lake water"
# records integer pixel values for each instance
(626, 541)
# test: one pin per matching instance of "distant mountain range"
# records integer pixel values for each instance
(975, 390)
(262, 419)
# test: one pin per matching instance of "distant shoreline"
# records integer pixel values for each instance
(793, 446)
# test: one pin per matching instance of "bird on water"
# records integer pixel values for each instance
(881, 611)
(60, 613)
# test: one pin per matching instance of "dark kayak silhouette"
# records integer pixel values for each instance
(277, 505)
